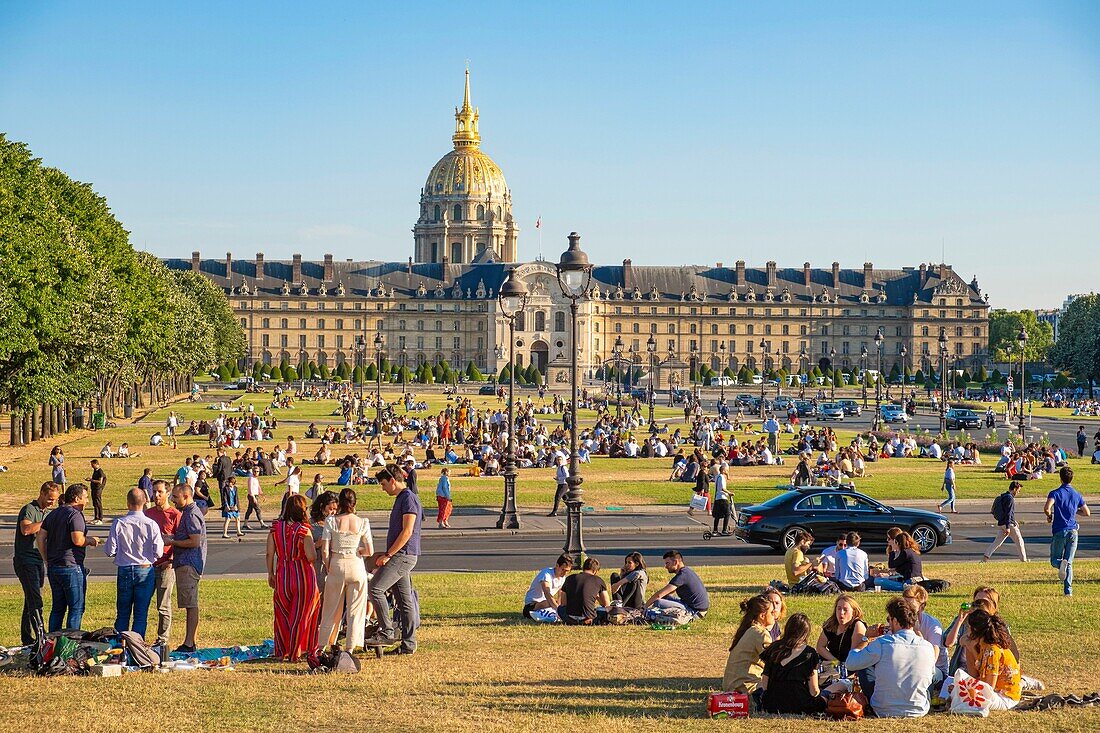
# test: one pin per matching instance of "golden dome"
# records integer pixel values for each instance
(466, 171)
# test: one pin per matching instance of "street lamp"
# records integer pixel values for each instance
(943, 381)
(574, 276)
(1021, 339)
(695, 373)
(832, 377)
(880, 343)
(651, 349)
(631, 356)
(379, 345)
(673, 377)
(775, 368)
(763, 372)
(401, 370)
(512, 299)
(722, 372)
(863, 373)
(803, 367)
(361, 357)
(617, 352)
(904, 352)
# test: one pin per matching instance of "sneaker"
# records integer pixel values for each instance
(985, 558)
(97, 521)
(379, 640)
(1063, 570)
(184, 649)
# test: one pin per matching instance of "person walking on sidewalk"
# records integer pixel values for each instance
(1062, 507)
(721, 509)
(949, 486)
(443, 499)
(394, 566)
(1082, 439)
(561, 473)
(1004, 511)
(98, 482)
(254, 493)
(29, 567)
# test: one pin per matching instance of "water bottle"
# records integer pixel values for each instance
(843, 671)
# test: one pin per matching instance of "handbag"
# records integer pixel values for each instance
(845, 705)
(970, 696)
(699, 502)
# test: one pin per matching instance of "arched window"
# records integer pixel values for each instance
(498, 212)
(559, 321)
(480, 212)
(437, 212)
(458, 212)
(540, 321)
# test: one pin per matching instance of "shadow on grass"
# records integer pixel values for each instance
(677, 698)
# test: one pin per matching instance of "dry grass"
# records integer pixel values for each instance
(481, 668)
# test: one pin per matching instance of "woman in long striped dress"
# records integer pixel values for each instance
(290, 557)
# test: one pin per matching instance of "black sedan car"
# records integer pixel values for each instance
(828, 512)
(958, 417)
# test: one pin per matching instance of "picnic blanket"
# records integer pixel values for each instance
(210, 656)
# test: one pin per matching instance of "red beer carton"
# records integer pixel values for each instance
(728, 705)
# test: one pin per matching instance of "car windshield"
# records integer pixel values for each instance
(859, 503)
(830, 407)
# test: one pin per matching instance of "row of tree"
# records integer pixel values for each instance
(84, 318)
(425, 373)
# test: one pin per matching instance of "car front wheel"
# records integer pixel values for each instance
(925, 537)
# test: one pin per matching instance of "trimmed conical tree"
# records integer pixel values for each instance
(473, 374)
(276, 374)
(505, 374)
(290, 374)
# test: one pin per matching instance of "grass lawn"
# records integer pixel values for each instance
(482, 668)
(607, 482)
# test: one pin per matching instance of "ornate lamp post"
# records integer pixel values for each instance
(943, 380)
(863, 373)
(775, 367)
(651, 349)
(722, 372)
(880, 344)
(631, 355)
(401, 370)
(512, 299)
(803, 365)
(673, 377)
(617, 353)
(763, 372)
(695, 373)
(832, 377)
(379, 346)
(1021, 339)
(361, 358)
(574, 277)
(904, 353)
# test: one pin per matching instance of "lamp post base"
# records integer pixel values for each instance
(574, 532)
(509, 518)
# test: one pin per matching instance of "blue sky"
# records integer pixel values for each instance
(669, 133)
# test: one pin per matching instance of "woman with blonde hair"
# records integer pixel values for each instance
(845, 623)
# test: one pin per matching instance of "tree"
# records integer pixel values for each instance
(439, 372)
(473, 374)
(1078, 348)
(1004, 325)
(838, 376)
(360, 375)
(744, 376)
(325, 373)
(276, 374)
(983, 375)
(505, 374)
(1061, 380)
(997, 377)
(532, 375)
(224, 374)
(728, 372)
(343, 370)
(920, 378)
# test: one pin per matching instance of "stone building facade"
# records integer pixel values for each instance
(441, 303)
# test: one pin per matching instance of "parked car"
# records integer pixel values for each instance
(830, 411)
(828, 512)
(723, 381)
(781, 403)
(851, 407)
(487, 389)
(958, 417)
(757, 379)
(805, 408)
(745, 399)
(893, 413)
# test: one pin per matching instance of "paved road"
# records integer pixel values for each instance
(609, 540)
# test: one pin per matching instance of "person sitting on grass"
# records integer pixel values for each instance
(743, 666)
(691, 594)
(930, 629)
(989, 658)
(789, 683)
(986, 599)
(586, 596)
(852, 566)
(779, 611)
(845, 624)
(795, 562)
(544, 596)
(904, 664)
(904, 562)
(628, 585)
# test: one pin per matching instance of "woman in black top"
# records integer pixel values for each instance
(903, 558)
(837, 632)
(790, 672)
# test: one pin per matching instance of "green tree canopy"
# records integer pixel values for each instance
(1004, 325)
(1078, 348)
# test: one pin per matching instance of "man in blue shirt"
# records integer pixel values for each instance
(852, 565)
(904, 663)
(1062, 507)
(690, 593)
(393, 568)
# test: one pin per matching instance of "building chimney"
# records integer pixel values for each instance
(229, 267)
(259, 267)
(329, 276)
(409, 267)
(806, 274)
(628, 275)
(740, 273)
(868, 277)
(296, 270)
(836, 276)
(923, 275)
(771, 273)
(195, 261)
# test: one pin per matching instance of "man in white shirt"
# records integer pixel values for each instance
(852, 565)
(828, 556)
(135, 542)
(561, 473)
(544, 595)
